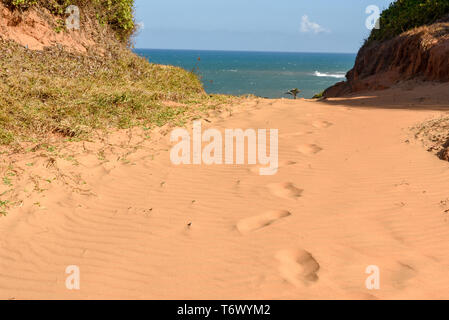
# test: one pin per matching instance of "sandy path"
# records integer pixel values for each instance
(350, 193)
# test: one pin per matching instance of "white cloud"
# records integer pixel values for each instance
(309, 26)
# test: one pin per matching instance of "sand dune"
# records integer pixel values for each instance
(351, 191)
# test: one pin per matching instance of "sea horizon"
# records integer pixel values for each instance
(266, 74)
(255, 51)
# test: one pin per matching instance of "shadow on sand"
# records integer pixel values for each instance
(429, 96)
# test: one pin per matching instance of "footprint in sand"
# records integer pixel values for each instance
(285, 190)
(256, 169)
(309, 149)
(402, 275)
(298, 267)
(322, 124)
(258, 222)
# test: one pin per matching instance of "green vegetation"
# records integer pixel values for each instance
(318, 95)
(118, 14)
(403, 15)
(3, 207)
(54, 92)
(72, 95)
(294, 92)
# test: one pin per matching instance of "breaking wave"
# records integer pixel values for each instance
(330, 75)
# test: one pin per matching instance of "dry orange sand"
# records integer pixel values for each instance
(350, 193)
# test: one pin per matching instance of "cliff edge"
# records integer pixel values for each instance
(60, 83)
(40, 24)
(411, 44)
(418, 54)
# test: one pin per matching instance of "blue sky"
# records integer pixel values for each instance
(254, 25)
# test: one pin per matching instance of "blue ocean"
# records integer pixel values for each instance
(264, 74)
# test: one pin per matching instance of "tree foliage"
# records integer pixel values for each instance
(403, 15)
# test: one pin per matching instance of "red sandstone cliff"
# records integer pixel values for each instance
(421, 53)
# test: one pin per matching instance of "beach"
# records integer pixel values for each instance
(354, 189)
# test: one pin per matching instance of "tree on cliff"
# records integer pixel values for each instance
(404, 15)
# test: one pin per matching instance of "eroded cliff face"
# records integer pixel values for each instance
(419, 54)
(37, 29)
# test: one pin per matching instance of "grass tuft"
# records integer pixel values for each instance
(56, 92)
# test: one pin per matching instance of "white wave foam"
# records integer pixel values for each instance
(330, 75)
